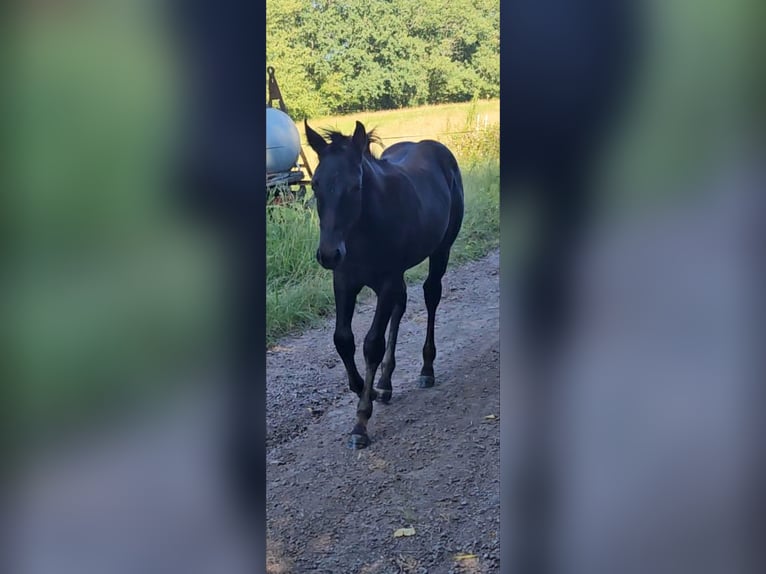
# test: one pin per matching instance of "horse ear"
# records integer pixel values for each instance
(317, 142)
(360, 137)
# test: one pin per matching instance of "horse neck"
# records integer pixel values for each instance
(370, 195)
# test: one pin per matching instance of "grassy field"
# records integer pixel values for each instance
(299, 291)
(435, 122)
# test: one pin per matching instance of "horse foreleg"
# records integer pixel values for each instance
(345, 301)
(374, 348)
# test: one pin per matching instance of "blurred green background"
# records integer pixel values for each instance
(110, 295)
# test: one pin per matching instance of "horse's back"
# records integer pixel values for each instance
(434, 178)
(426, 157)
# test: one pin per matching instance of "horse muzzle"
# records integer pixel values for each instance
(331, 258)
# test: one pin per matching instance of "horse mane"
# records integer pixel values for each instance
(339, 140)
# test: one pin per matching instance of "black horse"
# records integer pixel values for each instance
(378, 218)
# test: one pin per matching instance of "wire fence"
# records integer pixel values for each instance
(428, 135)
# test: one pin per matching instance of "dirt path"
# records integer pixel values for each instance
(433, 464)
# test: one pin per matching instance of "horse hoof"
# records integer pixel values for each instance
(384, 396)
(358, 441)
(426, 382)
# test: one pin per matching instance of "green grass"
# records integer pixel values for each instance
(299, 291)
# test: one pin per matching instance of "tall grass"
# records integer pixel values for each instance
(299, 291)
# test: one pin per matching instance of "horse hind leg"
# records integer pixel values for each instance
(432, 288)
(432, 291)
(389, 359)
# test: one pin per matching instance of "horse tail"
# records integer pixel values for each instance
(458, 202)
(451, 168)
(457, 180)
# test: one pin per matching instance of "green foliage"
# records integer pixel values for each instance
(298, 291)
(340, 57)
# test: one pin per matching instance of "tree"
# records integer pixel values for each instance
(342, 56)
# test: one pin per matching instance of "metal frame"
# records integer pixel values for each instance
(276, 94)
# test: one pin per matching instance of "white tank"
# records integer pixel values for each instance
(283, 142)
